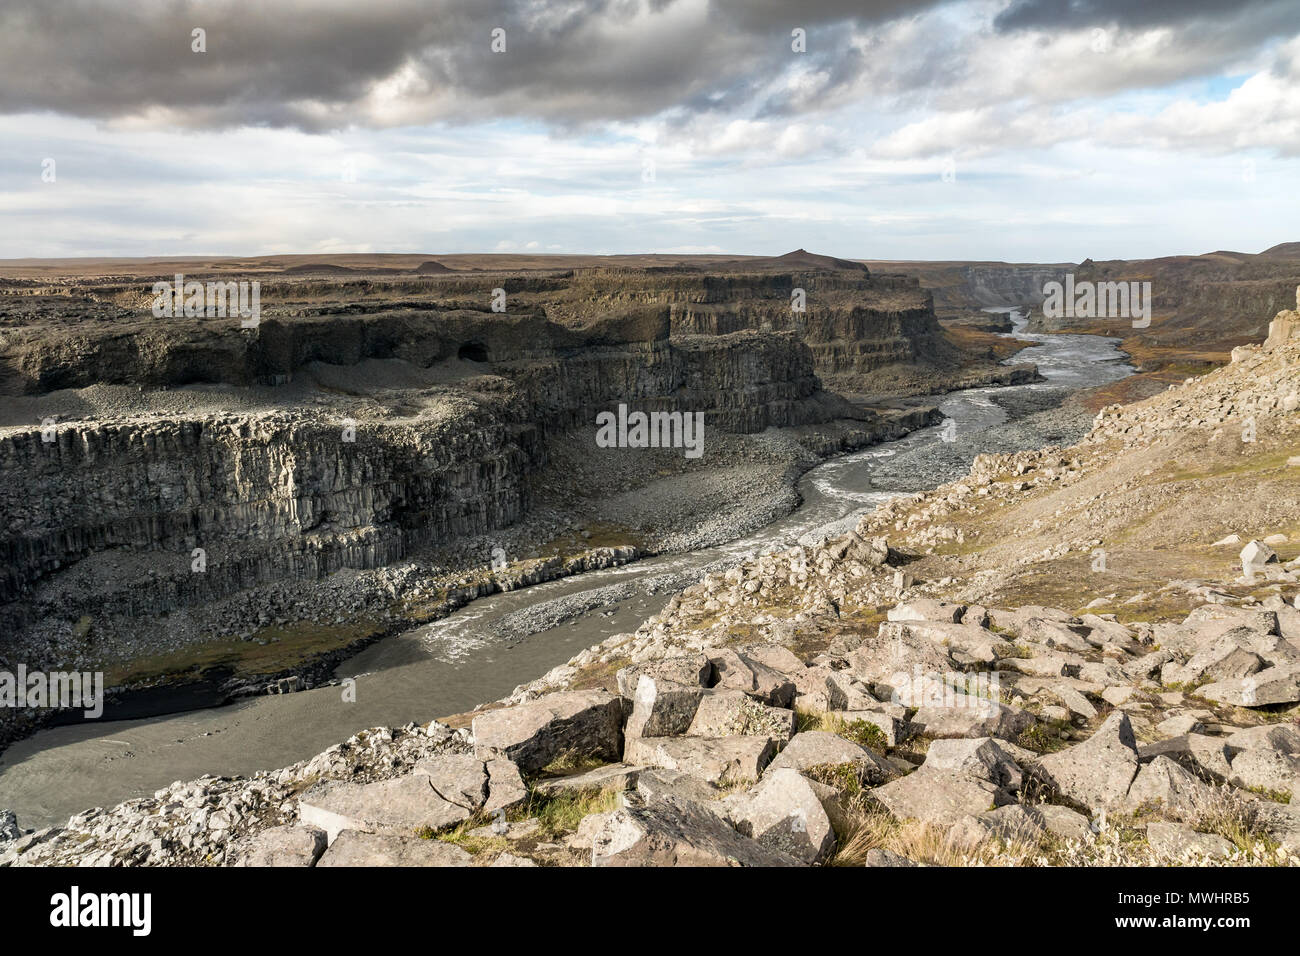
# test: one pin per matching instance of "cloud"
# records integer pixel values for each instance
(329, 64)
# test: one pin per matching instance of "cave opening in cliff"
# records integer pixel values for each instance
(473, 352)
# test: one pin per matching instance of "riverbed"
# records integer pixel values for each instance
(483, 651)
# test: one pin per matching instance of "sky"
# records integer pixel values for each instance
(1017, 130)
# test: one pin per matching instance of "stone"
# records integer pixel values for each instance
(355, 848)
(731, 713)
(1273, 685)
(817, 748)
(280, 846)
(509, 859)
(1178, 725)
(661, 708)
(1283, 738)
(926, 609)
(1267, 770)
(534, 733)
(405, 803)
(737, 672)
(653, 784)
(1010, 824)
(972, 717)
(506, 789)
(976, 643)
(728, 759)
(889, 720)
(1174, 841)
(893, 655)
(689, 670)
(938, 797)
(776, 657)
(1163, 782)
(1205, 756)
(880, 857)
(461, 779)
(785, 813)
(673, 832)
(1064, 823)
(1256, 554)
(979, 757)
(1095, 774)
(616, 776)
(1056, 635)
(9, 829)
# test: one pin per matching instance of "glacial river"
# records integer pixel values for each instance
(483, 651)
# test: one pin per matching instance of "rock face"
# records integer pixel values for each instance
(588, 723)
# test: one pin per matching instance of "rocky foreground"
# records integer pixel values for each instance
(852, 703)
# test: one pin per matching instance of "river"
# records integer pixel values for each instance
(483, 651)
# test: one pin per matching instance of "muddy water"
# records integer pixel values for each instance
(486, 649)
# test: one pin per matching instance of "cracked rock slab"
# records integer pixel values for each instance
(673, 832)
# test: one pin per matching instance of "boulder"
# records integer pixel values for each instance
(979, 757)
(972, 717)
(355, 848)
(1176, 842)
(404, 804)
(1162, 782)
(616, 776)
(1284, 738)
(1205, 756)
(673, 832)
(1273, 685)
(691, 670)
(889, 720)
(926, 609)
(461, 779)
(281, 846)
(728, 759)
(661, 708)
(1010, 824)
(1095, 774)
(1267, 770)
(737, 672)
(506, 788)
(817, 748)
(894, 654)
(654, 784)
(785, 812)
(534, 733)
(731, 713)
(938, 797)
(1257, 554)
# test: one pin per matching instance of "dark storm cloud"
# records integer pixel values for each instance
(314, 63)
(1073, 14)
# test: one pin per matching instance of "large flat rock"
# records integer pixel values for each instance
(725, 759)
(355, 848)
(675, 832)
(534, 733)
